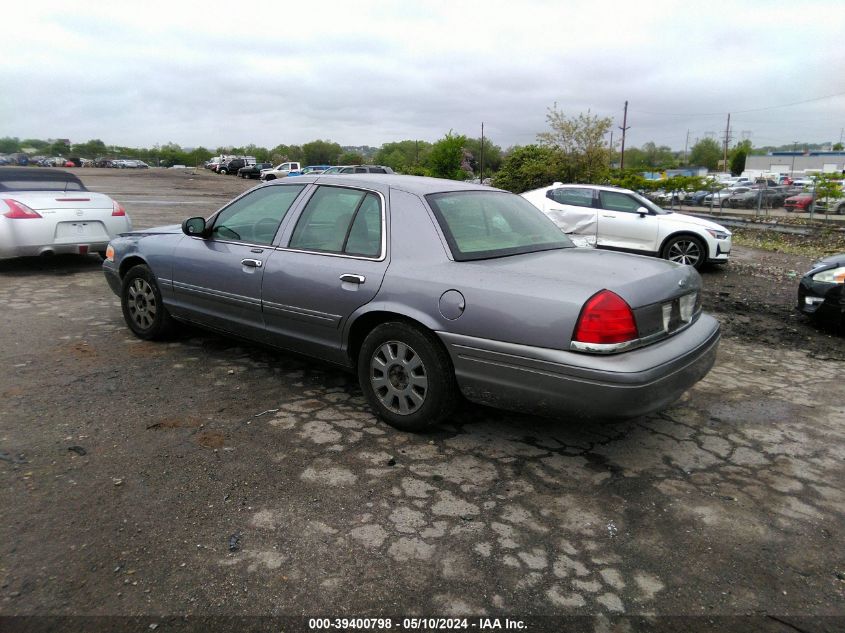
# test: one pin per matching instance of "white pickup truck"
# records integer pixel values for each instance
(279, 171)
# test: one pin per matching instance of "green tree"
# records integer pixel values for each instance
(528, 167)
(706, 153)
(838, 147)
(580, 142)
(737, 157)
(321, 153)
(37, 144)
(492, 155)
(9, 145)
(403, 156)
(60, 148)
(446, 157)
(282, 153)
(350, 158)
(828, 188)
(91, 149)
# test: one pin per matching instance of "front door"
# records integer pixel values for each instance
(217, 280)
(623, 226)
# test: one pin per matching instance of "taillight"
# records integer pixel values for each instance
(605, 318)
(117, 209)
(19, 211)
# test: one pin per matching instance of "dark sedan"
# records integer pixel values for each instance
(820, 293)
(428, 289)
(253, 171)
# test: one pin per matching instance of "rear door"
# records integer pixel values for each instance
(331, 262)
(574, 210)
(217, 280)
(621, 225)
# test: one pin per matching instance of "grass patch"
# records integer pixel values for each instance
(820, 243)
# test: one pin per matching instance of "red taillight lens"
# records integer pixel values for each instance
(605, 318)
(117, 209)
(19, 211)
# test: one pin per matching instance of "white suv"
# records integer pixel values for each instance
(621, 219)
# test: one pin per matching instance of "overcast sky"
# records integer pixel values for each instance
(366, 73)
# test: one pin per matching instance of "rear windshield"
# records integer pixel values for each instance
(487, 224)
(37, 179)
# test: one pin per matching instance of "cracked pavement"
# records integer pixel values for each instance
(729, 502)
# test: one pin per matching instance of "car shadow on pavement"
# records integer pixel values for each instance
(51, 265)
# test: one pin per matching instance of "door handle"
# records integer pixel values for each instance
(353, 279)
(252, 263)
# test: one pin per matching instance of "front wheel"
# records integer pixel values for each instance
(143, 309)
(406, 376)
(685, 249)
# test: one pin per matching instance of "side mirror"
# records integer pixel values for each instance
(194, 227)
(643, 212)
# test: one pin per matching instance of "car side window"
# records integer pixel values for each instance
(340, 220)
(615, 201)
(256, 217)
(576, 197)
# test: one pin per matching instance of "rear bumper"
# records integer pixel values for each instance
(559, 383)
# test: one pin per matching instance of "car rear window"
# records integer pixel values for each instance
(487, 224)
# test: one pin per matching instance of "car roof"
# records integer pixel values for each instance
(419, 185)
(15, 178)
(572, 185)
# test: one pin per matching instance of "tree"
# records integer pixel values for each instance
(838, 147)
(528, 167)
(580, 142)
(60, 148)
(492, 155)
(35, 143)
(321, 153)
(282, 153)
(446, 156)
(737, 157)
(403, 156)
(9, 145)
(706, 153)
(827, 188)
(350, 158)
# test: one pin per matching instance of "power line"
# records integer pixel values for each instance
(774, 107)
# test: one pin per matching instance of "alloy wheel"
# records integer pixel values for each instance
(398, 377)
(141, 303)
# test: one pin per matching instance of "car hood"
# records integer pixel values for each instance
(832, 260)
(578, 273)
(683, 219)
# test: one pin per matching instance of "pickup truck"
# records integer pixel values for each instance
(279, 171)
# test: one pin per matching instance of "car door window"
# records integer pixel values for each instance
(340, 220)
(575, 197)
(615, 201)
(255, 217)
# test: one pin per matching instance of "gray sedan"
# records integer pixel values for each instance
(429, 289)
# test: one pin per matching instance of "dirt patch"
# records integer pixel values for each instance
(211, 439)
(189, 422)
(755, 297)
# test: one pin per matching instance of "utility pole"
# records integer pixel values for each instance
(727, 139)
(686, 144)
(792, 169)
(611, 149)
(624, 128)
(481, 163)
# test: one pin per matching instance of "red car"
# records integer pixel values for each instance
(800, 203)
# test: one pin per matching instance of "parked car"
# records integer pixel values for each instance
(279, 171)
(695, 198)
(720, 197)
(821, 293)
(49, 211)
(621, 219)
(765, 198)
(253, 171)
(427, 288)
(358, 169)
(799, 203)
(232, 166)
(310, 169)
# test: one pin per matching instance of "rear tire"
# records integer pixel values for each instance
(685, 249)
(143, 309)
(406, 376)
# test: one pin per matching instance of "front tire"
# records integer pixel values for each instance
(406, 376)
(143, 309)
(685, 249)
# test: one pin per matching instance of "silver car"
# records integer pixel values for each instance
(49, 211)
(428, 289)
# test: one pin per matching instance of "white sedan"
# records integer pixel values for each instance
(49, 211)
(621, 219)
